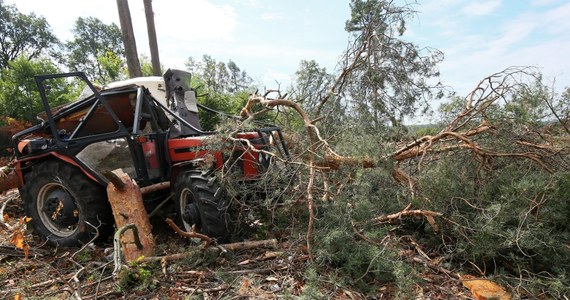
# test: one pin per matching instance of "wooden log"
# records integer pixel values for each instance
(128, 208)
(155, 187)
(272, 243)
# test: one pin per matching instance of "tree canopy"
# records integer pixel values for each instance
(96, 49)
(220, 86)
(19, 95)
(383, 77)
(23, 35)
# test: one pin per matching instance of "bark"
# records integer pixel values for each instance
(272, 243)
(153, 44)
(155, 187)
(128, 208)
(133, 63)
(189, 235)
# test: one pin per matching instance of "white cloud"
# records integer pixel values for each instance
(556, 20)
(195, 20)
(512, 33)
(272, 79)
(540, 3)
(249, 3)
(271, 16)
(481, 8)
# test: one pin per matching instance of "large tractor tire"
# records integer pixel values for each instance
(62, 202)
(200, 202)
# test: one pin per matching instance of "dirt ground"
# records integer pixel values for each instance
(262, 273)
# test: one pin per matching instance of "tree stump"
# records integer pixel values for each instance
(128, 208)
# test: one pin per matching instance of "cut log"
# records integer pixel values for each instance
(128, 208)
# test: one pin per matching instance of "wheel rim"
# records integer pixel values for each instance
(189, 210)
(57, 209)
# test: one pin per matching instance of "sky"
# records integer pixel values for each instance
(269, 38)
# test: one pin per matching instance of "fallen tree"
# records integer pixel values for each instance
(485, 134)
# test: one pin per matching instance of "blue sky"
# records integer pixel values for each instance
(269, 38)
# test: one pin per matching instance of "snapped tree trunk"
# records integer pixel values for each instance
(128, 208)
(133, 63)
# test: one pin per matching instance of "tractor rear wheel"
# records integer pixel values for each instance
(66, 206)
(200, 203)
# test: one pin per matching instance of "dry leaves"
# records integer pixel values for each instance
(19, 234)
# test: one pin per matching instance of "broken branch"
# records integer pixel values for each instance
(206, 239)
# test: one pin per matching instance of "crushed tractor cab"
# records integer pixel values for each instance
(147, 127)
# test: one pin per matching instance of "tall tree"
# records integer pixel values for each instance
(22, 34)
(219, 77)
(311, 83)
(223, 87)
(529, 106)
(238, 79)
(383, 78)
(93, 41)
(133, 63)
(153, 44)
(19, 96)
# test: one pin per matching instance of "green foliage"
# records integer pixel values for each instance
(137, 277)
(226, 103)
(450, 109)
(19, 95)
(562, 106)
(96, 49)
(146, 66)
(385, 78)
(312, 284)
(219, 77)
(23, 35)
(418, 131)
(112, 65)
(506, 220)
(311, 83)
(219, 86)
(360, 262)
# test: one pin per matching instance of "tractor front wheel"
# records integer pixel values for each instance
(66, 207)
(200, 203)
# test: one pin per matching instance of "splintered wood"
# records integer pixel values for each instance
(126, 201)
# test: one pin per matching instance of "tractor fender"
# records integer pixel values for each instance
(28, 161)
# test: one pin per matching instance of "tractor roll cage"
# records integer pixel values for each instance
(145, 110)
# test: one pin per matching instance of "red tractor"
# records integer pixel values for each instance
(149, 128)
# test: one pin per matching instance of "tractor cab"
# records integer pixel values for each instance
(147, 127)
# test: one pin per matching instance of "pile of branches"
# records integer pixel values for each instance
(481, 143)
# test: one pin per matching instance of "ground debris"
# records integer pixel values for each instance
(271, 270)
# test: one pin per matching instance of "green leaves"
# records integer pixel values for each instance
(385, 78)
(19, 96)
(220, 86)
(23, 35)
(96, 49)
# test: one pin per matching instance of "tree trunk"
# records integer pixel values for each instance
(128, 208)
(153, 44)
(133, 63)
